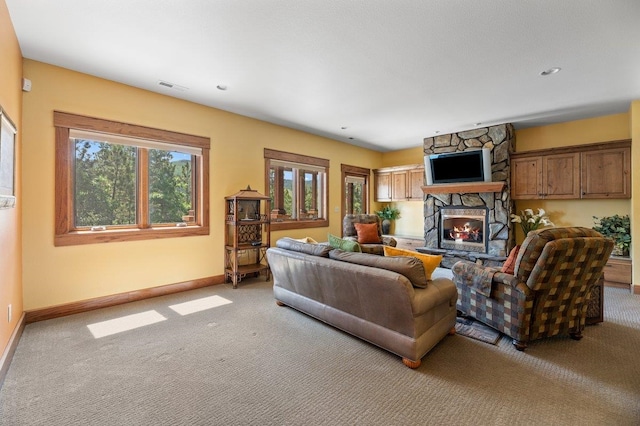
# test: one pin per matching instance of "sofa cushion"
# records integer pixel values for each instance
(508, 267)
(321, 250)
(343, 244)
(367, 233)
(430, 261)
(410, 267)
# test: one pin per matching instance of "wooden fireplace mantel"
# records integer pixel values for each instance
(463, 187)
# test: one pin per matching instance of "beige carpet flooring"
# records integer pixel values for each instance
(250, 362)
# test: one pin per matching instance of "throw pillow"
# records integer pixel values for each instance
(346, 245)
(410, 267)
(430, 261)
(367, 233)
(287, 243)
(510, 264)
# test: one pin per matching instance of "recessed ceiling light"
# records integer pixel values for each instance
(436, 132)
(477, 124)
(351, 138)
(344, 127)
(222, 87)
(551, 71)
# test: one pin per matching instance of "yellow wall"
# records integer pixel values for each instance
(58, 275)
(10, 219)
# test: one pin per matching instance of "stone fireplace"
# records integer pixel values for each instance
(489, 233)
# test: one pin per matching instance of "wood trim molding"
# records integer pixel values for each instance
(7, 355)
(118, 299)
(623, 143)
(455, 188)
(68, 120)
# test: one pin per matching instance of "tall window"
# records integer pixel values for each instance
(127, 182)
(355, 189)
(297, 185)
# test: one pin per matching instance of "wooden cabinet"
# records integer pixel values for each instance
(247, 235)
(383, 186)
(617, 272)
(606, 173)
(400, 183)
(585, 171)
(553, 176)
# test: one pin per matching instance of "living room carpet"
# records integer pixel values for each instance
(469, 327)
(219, 356)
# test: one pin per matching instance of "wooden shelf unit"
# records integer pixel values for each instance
(247, 235)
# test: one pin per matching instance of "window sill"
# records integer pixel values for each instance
(122, 235)
(299, 224)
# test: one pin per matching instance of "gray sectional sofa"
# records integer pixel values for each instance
(382, 300)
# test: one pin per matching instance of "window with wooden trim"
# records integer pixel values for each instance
(122, 182)
(298, 187)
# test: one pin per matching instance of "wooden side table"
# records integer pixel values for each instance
(617, 272)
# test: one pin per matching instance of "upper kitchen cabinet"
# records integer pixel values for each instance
(400, 183)
(585, 171)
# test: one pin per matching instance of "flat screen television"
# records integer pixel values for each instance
(462, 166)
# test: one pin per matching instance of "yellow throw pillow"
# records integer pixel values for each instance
(307, 240)
(430, 261)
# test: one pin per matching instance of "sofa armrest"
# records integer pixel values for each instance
(389, 241)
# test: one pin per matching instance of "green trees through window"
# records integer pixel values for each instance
(106, 182)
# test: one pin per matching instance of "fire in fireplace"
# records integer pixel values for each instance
(463, 228)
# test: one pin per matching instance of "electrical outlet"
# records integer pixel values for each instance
(9, 313)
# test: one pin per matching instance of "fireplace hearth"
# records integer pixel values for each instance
(463, 228)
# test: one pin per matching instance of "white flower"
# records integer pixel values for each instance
(529, 212)
(516, 218)
(541, 212)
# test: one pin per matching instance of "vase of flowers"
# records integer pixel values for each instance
(530, 221)
(387, 214)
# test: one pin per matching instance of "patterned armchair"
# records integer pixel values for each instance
(349, 232)
(549, 292)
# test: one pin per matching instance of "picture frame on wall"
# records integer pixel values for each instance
(7, 161)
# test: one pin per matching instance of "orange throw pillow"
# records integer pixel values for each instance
(509, 265)
(367, 233)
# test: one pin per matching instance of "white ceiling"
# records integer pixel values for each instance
(391, 72)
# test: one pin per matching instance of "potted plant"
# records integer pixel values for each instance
(387, 214)
(618, 228)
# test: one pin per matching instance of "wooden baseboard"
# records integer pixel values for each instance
(7, 356)
(118, 299)
(635, 289)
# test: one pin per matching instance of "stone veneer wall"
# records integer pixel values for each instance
(501, 140)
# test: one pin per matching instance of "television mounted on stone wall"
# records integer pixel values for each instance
(472, 165)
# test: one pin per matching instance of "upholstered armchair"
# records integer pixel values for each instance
(368, 245)
(548, 292)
